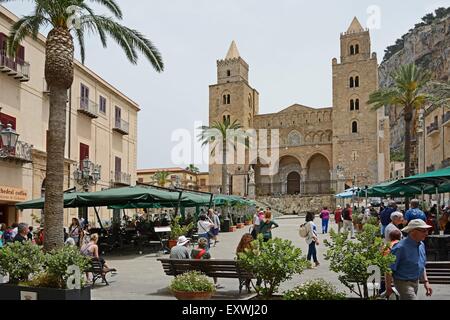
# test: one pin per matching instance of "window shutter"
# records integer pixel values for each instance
(84, 153)
(20, 54)
(5, 120)
(118, 164)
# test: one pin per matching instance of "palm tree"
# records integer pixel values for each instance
(221, 134)
(161, 178)
(408, 92)
(192, 168)
(59, 68)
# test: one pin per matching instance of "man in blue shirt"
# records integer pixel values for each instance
(385, 215)
(409, 266)
(415, 212)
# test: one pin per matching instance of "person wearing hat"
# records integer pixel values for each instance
(180, 251)
(409, 266)
(338, 218)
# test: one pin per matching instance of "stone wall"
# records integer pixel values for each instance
(426, 46)
(287, 204)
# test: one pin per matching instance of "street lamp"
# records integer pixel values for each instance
(9, 138)
(88, 174)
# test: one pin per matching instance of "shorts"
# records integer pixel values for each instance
(215, 231)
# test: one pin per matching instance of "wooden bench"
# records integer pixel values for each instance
(214, 268)
(97, 271)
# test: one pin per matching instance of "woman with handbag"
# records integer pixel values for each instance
(312, 239)
(75, 232)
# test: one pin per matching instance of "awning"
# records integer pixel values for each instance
(349, 193)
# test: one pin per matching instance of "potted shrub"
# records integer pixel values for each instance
(273, 262)
(177, 230)
(317, 289)
(248, 219)
(233, 228)
(192, 285)
(351, 259)
(35, 275)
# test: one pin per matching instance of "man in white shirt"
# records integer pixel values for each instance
(396, 219)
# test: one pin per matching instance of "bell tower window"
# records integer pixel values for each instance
(354, 127)
(357, 49)
(352, 82)
(352, 50)
(356, 82)
(352, 105)
(228, 73)
(357, 104)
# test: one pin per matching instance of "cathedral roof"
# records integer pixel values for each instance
(298, 108)
(233, 52)
(355, 26)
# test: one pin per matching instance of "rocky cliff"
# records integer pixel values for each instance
(428, 46)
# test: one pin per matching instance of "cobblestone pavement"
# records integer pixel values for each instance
(141, 277)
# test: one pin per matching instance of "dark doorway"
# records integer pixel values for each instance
(293, 183)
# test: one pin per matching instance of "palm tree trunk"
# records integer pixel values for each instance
(59, 76)
(224, 167)
(408, 119)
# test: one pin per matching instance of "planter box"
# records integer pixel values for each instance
(14, 292)
(181, 295)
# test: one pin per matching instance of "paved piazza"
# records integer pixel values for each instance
(141, 277)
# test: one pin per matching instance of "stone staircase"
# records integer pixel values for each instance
(295, 204)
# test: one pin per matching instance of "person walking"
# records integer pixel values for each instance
(414, 212)
(338, 218)
(348, 221)
(325, 216)
(2, 232)
(216, 221)
(409, 266)
(311, 239)
(385, 216)
(76, 231)
(204, 226)
(266, 226)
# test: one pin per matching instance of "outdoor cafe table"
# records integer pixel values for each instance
(441, 244)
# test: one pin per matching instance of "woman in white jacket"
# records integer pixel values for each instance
(311, 238)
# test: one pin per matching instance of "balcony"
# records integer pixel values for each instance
(120, 178)
(22, 153)
(433, 129)
(88, 107)
(446, 119)
(121, 126)
(16, 68)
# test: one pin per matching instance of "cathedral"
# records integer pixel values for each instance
(321, 150)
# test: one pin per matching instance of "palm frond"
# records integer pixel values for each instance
(112, 6)
(27, 25)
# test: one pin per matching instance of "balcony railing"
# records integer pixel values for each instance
(88, 107)
(121, 126)
(433, 129)
(22, 152)
(14, 67)
(121, 178)
(446, 119)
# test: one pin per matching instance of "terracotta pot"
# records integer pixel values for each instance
(172, 243)
(247, 223)
(240, 225)
(182, 295)
(232, 228)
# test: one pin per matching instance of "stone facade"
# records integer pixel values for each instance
(317, 146)
(298, 205)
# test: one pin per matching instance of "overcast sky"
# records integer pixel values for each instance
(288, 45)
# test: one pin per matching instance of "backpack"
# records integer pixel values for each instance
(7, 236)
(303, 230)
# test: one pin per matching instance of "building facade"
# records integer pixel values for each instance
(177, 176)
(101, 126)
(320, 150)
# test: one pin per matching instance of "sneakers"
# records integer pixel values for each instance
(219, 286)
(317, 264)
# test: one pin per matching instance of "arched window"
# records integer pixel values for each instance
(224, 99)
(357, 104)
(356, 81)
(228, 73)
(352, 105)
(357, 49)
(354, 127)
(226, 118)
(228, 99)
(352, 50)
(352, 82)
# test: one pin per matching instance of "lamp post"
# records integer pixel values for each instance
(86, 175)
(9, 138)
